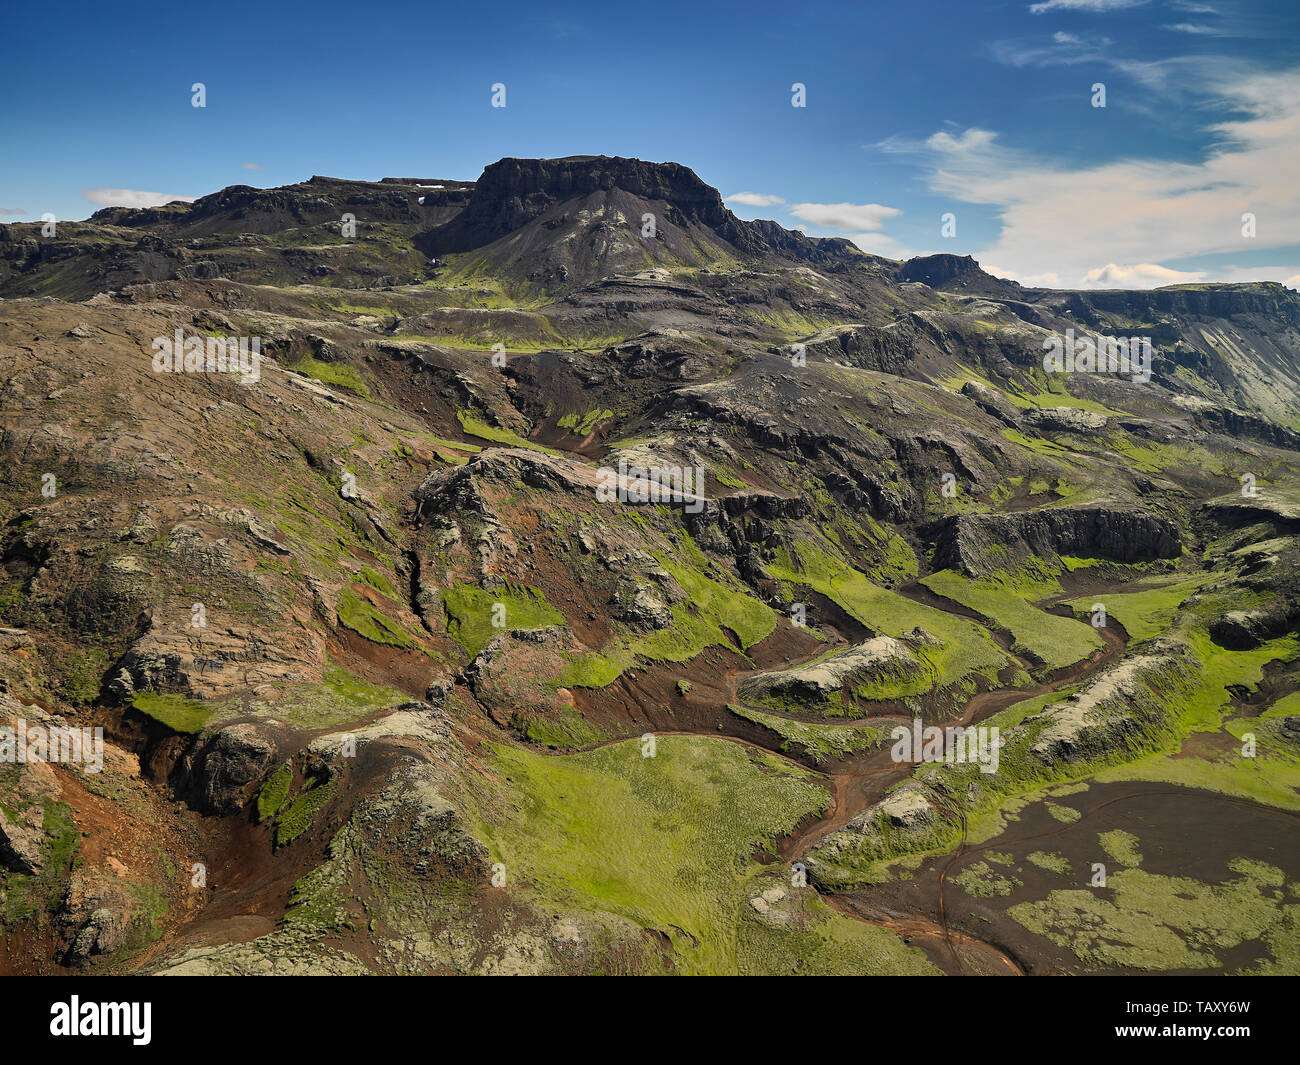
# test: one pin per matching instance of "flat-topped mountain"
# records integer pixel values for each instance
(535, 207)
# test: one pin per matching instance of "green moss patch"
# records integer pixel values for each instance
(1157, 923)
(820, 742)
(562, 728)
(25, 897)
(1053, 863)
(666, 841)
(719, 609)
(474, 425)
(1147, 612)
(374, 579)
(272, 795)
(967, 648)
(470, 613)
(359, 614)
(1121, 847)
(983, 881)
(294, 821)
(175, 711)
(1053, 641)
(339, 374)
(583, 424)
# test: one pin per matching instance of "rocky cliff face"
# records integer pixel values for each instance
(1207, 301)
(937, 270)
(958, 273)
(981, 544)
(513, 192)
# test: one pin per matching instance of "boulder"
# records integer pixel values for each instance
(20, 840)
(992, 402)
(1066, 419)
(229, 761)
(96, 915)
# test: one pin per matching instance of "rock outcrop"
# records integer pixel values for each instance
(21, 837)
(1066, 419)
(514, 192)
(817, 682)
(888, 349)
(992, 401)
(980, 545)
(228, 762)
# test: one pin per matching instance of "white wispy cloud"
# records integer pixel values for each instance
(252, 166)
(1095, 6)
(882, 244)
(131, 198)
(1196, 28)
(1175, 78)
(1138, 275)
(753, 199)
(845, 216)
(1064, 49)
(1122, 222)
(11, 210)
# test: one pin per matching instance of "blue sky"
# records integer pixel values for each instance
(913, 110)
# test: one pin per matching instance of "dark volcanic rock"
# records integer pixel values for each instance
(513, 192)
(226, 764)
(935, 270)
(956, 273)
(1251, 426)
(887, 349)
(1241, 630)
(1210, 301)
(979, 544)
(992, 401)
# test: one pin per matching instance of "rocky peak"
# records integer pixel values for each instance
(513, 192)
(934, 270)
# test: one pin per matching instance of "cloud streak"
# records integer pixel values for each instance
(845, 216)
(1093, 6)
(131, 198)
(753, 199)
